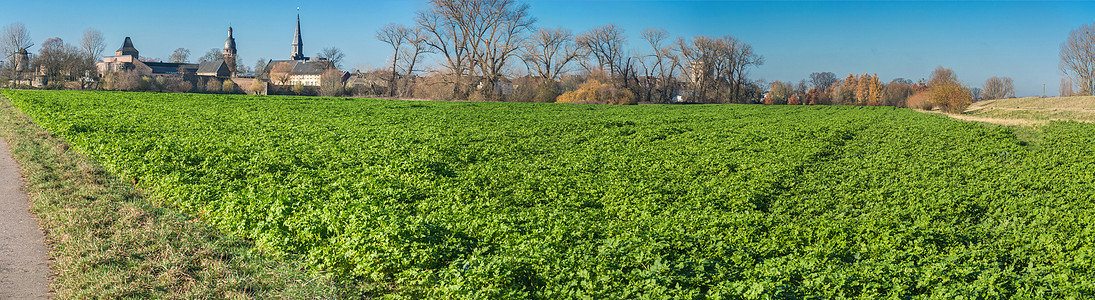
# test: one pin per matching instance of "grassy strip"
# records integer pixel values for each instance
(108, 241)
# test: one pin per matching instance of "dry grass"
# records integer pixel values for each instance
(1036, 110)
(107, 240)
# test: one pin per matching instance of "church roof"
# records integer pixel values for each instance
(127, 46)
(230, 43)
(298, 44)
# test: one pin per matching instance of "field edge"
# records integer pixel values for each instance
(107, 240)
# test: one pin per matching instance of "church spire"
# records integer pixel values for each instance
(298, 45)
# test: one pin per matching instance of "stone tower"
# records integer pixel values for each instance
(229, 53)
(22, 60)
(298, 45)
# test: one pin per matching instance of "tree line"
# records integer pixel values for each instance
(494, 50)
(942, 90)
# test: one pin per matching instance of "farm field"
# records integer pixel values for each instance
(518, 200)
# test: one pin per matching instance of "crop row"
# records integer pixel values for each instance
(519, 200)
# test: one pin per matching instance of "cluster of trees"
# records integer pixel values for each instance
(483, 44)
(942, 91)
(57, 61)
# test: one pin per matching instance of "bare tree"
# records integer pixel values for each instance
(331, 84)
(504, 25)
(394, 35)
(446, 23)
(334, 55)
(660, 67)
(260, 67)
(60, 62)
(718, 67)
(416, 42)
(476, 37)
(823, 80)
(605, 44)
(549, 51)
(92, 44)
(1066, 87)
(181, 55)
(998, 88)
(1078, 58)
(14, 37)
(213, 54)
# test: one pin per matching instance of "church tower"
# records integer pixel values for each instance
(298, 45)
(229, 53)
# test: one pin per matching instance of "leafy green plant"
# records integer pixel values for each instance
(534, 200)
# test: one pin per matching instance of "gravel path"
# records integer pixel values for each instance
(24, 263)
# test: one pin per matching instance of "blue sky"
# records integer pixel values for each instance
(978, 39)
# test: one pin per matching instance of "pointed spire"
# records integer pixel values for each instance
(298, 44)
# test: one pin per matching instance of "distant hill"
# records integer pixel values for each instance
(1032, 110)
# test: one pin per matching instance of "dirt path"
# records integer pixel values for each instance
(24, 261)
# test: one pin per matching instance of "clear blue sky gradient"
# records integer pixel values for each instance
(893, 39)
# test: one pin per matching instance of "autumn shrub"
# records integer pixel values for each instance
(794, 100)
(920, 101)
(951, 97)
(595, 91)
(946, 93)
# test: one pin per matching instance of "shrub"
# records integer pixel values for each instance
(213, 86)
(298, 88)
(126, 81)
(951, 97)
(920, 101)
(177, 85)
(228, 87)
(258, 87)
(594, 91)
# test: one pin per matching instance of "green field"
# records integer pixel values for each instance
(516, 200)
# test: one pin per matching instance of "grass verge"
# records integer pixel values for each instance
(107, 240)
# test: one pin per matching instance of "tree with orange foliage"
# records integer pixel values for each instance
(813, 97)
(874, 91)
(794, 100)
(862, 89)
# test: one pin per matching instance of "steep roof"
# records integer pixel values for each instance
(302, 67)
(127, 47)
(211, 67)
